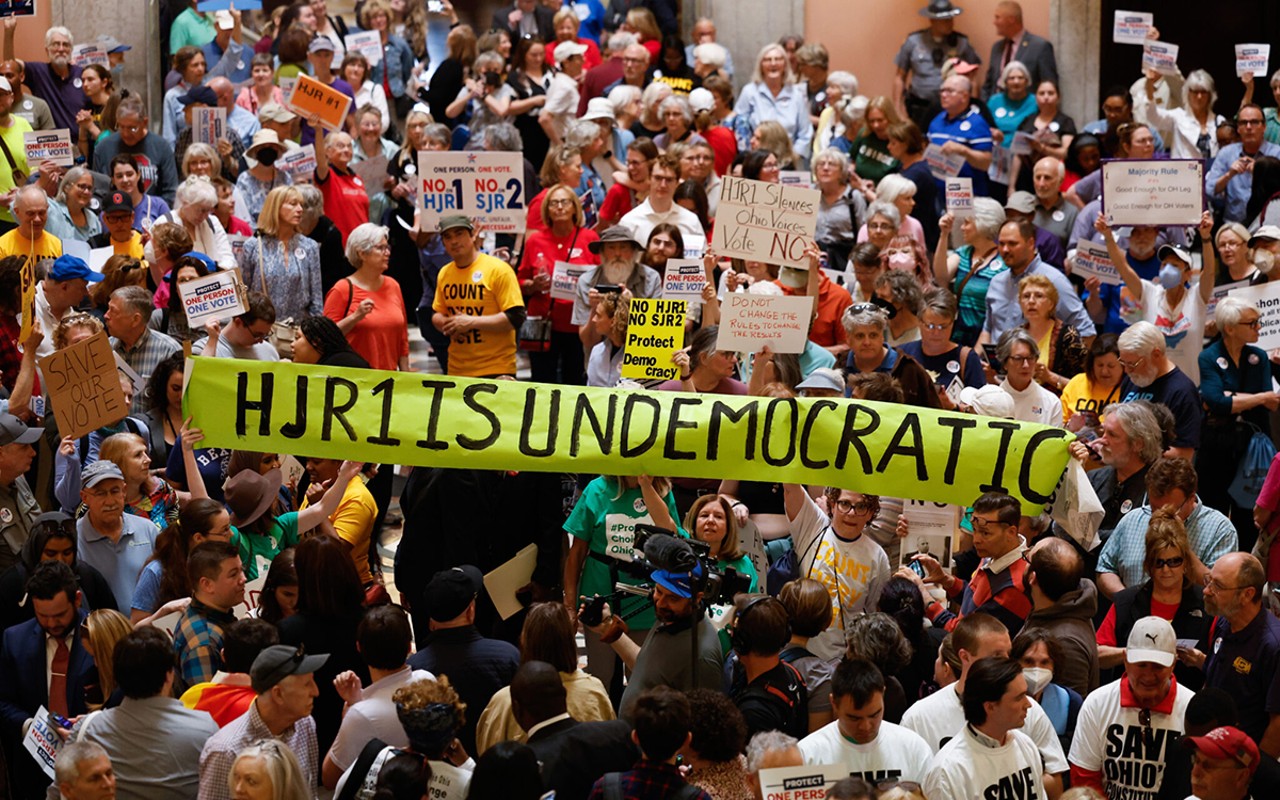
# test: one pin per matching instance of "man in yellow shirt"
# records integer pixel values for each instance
(13, 152)
(31, 208)
(353, 521)
(120, 236)
(478, 305)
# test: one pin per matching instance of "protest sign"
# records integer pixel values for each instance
(300, 161)
(309, 97)
(959, 197)
(943, 165)
(42, 741)
(505, 581)
(227, 5)
(795, 177)
(1093, 261)
(800, 783)
(1001, 164)
(286, 85)
(684, 280)
(1131, 27)
(694, 246)
(930, 529)
(1164, 192)
(215, 296)
(564, 280)
(1021, 144)
(367, 44)
(83, 386)
(98, 257)
(1221, 290)
(252, 590)
(1160, 56)
(52, 146)
(768, 222)
(17, 8)
(450, 421)
(487, 187)
(208, 124)
(749, 322)
(1253, 59)
(373, 174)
(82, 55)
(655, 331)
(1265, 298)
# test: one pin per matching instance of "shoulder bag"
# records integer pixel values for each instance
(282, 330)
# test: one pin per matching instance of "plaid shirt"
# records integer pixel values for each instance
(198, 640)
(151, 348)
(221, 749)
(648, 779)
(1210, 534)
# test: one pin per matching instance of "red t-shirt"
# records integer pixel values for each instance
(345, 201)
(1107, 631)
(827, 330)
(617, 201)
(533, 219)
(725, 145)
(383, 336)
(553, 249)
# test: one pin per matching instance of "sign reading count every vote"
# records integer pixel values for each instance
(448, 421)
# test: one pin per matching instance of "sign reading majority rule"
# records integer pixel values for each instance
(467, 423)
(1165, 192)
(769, 222)
(487, 187)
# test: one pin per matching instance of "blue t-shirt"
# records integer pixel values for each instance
(212, 463)
(970, 130)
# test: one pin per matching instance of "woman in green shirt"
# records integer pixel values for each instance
(710, 519)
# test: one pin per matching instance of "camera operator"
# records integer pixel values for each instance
(683, 649)
(770, 692)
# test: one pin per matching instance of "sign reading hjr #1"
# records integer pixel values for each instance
(768, 222)
(487, 187)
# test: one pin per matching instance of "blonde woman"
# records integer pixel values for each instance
(770, 135)
(774, 95)
(267, 770)
(106, 627)
(281, 262)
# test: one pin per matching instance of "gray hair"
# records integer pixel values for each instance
(713, 54)
(503, 136)
(1199, 79)
(904, 290)
(362, 240)
(66, 768)
(831, 155)
(74, 174)
(853, 110)
(1059, 169)
(135, 299)
(887, 210)
(847, 81)
(859, 315)
(877, 638)
(1013, 66)
(196, 190)
(57, 30)
(1229, 311)
(334, 139)
(941, 302)
(490, 58)
(621, 40)
(30, 193)
(1016, 336)
(766, 742)
(679, 103)
(438, 132)
(131, 105)
(287, 779)
(654, 94)
(579, 133)
(788, 76)
(622, 96)
(1141, 337)
(312, 203)
(197, 150)
(988, 217)
(891, 187)
(1142, 428)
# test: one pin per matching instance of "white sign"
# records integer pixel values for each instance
(1131, 27)
(300, 161)
(749, 322)
(960, 197)
(1093, 261)
(253, 590)
(208, 124)
(367, 44)
(1265, 298)
(694, 246)
(684, 280)
(1160, 56)
(487, 187)
(215, 296)
(1252, 58)
(800, 783)
(930, 529)
(769, 222)
(796, 177)
(52, 146)
(564, 281)
(1164, 192)
(98, 257)
(941, 164)
(42, 741)
(82, 55)
(1021, 144)
(1220, 291)
(507, 579)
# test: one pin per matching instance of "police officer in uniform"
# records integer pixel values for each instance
(921, 60)
(18, 506)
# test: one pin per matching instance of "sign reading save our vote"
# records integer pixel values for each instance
(84, 386)
(1142, 192)
(309, 97)
(769, 222)
(487, 187)
(655, 331)
(215, 296)
(52, 146)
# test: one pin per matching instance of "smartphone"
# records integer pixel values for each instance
(608, 288)
(435, 6)
(59, 720)
(492, 79)
(917, 568)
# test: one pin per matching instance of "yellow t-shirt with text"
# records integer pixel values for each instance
(487, 286)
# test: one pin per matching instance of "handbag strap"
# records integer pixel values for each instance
(8, 156)
(351, 294)
(262, 270)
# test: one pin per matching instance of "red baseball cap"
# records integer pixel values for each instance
(1228, 742)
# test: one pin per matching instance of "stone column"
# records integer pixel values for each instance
(1076, 29)
(744, 26)
(133, 22)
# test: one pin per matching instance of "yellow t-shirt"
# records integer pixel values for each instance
(1080, 396)
(132, 248)
(17, 148)
(45, 249)
(353, 522)
(487, 286)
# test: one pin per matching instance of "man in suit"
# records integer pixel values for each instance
(526, 18)
(43, 663)
(573, 754)
(1016, 44)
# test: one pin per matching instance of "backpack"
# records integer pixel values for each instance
(1253, 468)
(793, 698)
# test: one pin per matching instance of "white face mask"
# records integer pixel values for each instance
(1037, 678)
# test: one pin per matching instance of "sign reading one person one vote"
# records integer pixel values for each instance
(487, 187)
(684, 279)
(82, 55)
(1265, 298)
(367, 44)
(800, 783)
(768, 222)
(1160, 56)
(1093, 261)
(750, 322)
(959, 197)
(208, 124)
(84, 386)
(943, 165)
(300, 161)
(1253, 59)
(215, 296)
(1165, 192)
(1131, 27)
(55, 146)
(655, 331)
(309, 97)
(564, 280)
(42, 741)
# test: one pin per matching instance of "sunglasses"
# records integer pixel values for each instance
(1172, 563)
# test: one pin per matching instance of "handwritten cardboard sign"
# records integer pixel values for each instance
(487, 187)
(800, 783)
(749, 322)
(1265, 298)
(1131, 27)
(1163, 192)
(310, 97)
(959, 197)
(1160, 56)
(215, 296)
(1093, 261)
(655, 331)
(564, 280)
(684, 280)
(943, 165)
(1252, 58)
(84, 386)
(367, 44)
(768, 222)
(52, 146)
(300, 161)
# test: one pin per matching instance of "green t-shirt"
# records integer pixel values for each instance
(871, 158)
(284, 534)
(608, 525)
(191, 28)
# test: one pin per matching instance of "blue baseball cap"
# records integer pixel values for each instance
(68, 268)
(678, 583)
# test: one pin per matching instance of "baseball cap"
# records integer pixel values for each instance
(701, 99)
(1265, 232)
(320, 44)
(793, 278)
(567, 50)
(989, 401)
(15, 431)
(1228, 742)
(1180, 253)
(679, 583)
(118, 201)
(1152, 639)
(599, 108)
(823, 378)
(199, 94)
(70, 267)
(113, 45)
(5, 85)
(1021, 201)
(278, 662)
(451, 221)
(274, 112)
(451, 591)
(100, 471)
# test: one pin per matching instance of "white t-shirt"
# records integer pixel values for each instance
(373, 717)
(642, 219)
(939, 717)
(967, 769)
(1183, 327)
(895, 753)
(1035, 404)
(853, 572)
(1110, 739)
(562, 100)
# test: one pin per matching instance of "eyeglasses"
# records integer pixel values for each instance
(987, 527)
(863, 308)
(1255, 324)
(1131, 364)
(1247, 122)
(558, 202)
(662, 178)
(1024, 360)
(1216, 585)
(66, 526)
(635, 60)
(845, 507)
(1171, 563)
(931, 326)
(381, 248)
(879, 226)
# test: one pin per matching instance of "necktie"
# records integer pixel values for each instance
(58, 680)
(1008, 54)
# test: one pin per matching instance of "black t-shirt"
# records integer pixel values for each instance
(1175, 391)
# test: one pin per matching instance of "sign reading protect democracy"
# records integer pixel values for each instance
(1155, 192)
(767, 222)
(655, 331)
(487, 187)
(447, 421)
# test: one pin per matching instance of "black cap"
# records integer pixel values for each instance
(15, 431)
(451, 591)
(199, 94)
(278, 662)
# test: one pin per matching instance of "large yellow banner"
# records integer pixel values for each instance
(445, 421)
